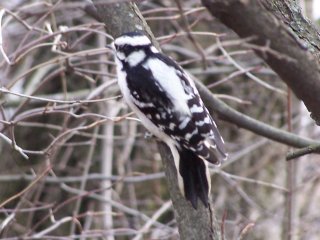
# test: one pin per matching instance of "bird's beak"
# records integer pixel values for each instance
(111, 46)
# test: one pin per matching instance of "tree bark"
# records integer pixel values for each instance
(287, 50)
(290, 13)
(193, 224)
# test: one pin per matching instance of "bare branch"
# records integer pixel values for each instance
(14, 145)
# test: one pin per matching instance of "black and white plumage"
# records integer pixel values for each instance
(168, 104)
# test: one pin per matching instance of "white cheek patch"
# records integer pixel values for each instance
(136, 57)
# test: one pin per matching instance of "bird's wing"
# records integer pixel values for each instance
(170, 100)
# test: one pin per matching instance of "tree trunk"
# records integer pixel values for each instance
(287, 49)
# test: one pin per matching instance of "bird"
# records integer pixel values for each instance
(164, 97)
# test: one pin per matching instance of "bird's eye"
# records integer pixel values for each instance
(125, 47)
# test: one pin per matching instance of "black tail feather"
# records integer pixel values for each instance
(193, 171)
(208, 154)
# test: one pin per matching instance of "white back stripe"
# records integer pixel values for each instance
(167, 78)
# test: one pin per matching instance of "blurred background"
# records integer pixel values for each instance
(74, 161)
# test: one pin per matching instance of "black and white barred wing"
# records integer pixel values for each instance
(169, 99)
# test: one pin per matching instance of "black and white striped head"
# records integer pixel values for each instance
(132, 48)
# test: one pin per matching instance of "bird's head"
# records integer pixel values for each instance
(132, 47)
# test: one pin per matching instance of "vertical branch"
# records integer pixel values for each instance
(107, 145)
(290, 213)
(124, 165)
(83, 183)
(107, 164)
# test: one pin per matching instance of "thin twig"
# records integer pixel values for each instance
(258, 182)
(14, 145)
(190, 36)
(52, 227)
(232, 75)
(184, 33)
(44, 173)
(173, 17)
(245, 230)
(2, 11)
(4, 90)
(6, 221)
(304, 151)
(256, 79)
(89, 177)
(229, 97)
(115, 204)
(54, 61)
(155, 216)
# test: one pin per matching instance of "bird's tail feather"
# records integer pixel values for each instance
(195, 177)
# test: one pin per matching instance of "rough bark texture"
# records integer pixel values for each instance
(119, 18)
(290, 13)
(290, 59)
(193, 224)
